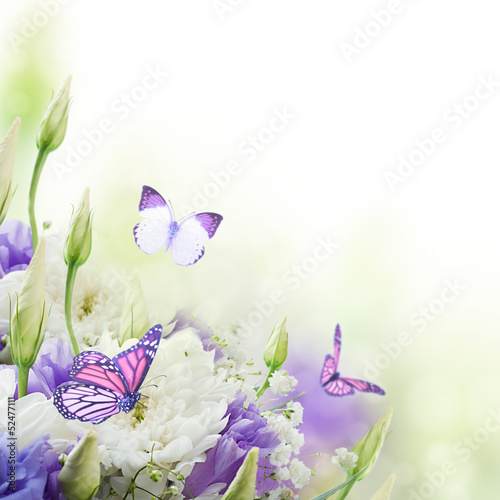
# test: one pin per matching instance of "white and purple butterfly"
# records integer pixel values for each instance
(106, 386)
(159, 229)
(333, 383)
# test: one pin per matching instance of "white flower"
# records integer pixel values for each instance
(282, 473)
(295, 412)
(299, 473)
(182, 417)
(281, 455)
(344, 459)
(283, 494)
(281, 383)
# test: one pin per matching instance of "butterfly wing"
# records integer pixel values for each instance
(153, 233)
(337, 343)
(328, 371)
(134, 363)
(187, 244)
(363, 386)
(95, 368)
(86, 402)
(338, 387)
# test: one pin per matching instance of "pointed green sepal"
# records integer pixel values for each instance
(243, 485)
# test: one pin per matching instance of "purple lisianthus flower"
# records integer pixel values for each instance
(32, 469)
(51, 368)
(16, 246)
(244, 430)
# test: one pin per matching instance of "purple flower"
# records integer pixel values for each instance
(244, 430)
(16, 246)
(32, 468)
(51, 368)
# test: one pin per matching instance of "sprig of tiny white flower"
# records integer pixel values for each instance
(281, 383)
(344, 459)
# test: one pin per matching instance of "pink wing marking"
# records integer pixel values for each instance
(95, 368)
(339, 387)
(363, 386)
(337, 343)
(328, 370)
(134, 363)
(86, 403)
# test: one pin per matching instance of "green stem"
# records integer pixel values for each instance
(22, 381)
(265, 385)
(70, 282)
(40, 162)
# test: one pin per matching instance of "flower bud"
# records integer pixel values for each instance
(27, 325)
(53, 127)
(276, 348)
(243, 485)
(156, 475)
(8, 148)
(80, 476)
(79, 239)
(135, 321)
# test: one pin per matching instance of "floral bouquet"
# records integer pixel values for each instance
(97, 401)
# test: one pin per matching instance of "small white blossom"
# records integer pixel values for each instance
(282, 474)
(281, 383)
(295, 411)
(283, 494)
(299, 473)
(281, 455)
(344, 459)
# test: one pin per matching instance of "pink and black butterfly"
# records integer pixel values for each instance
(333, 383)
(106, 386)
(159, 229)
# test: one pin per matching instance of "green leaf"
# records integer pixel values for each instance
(243, 485)
(385, 490)
(329, 493)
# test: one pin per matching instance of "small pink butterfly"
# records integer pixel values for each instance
(107, 386)
(333, 383)
(159, 229)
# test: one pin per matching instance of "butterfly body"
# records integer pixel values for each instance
(333, 383)
(185, 238)
(102, 386)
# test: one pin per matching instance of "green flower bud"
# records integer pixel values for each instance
(53, 127)
(243, 485)
(135, 321)
(27, 324)
(385, 490)
(155, 475)
(79, 239)
(8, 148)
(276, 348)
(80, 476)
(369, 446)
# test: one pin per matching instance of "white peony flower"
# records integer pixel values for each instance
(181, 418)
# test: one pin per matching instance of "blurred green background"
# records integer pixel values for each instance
(255, 112)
